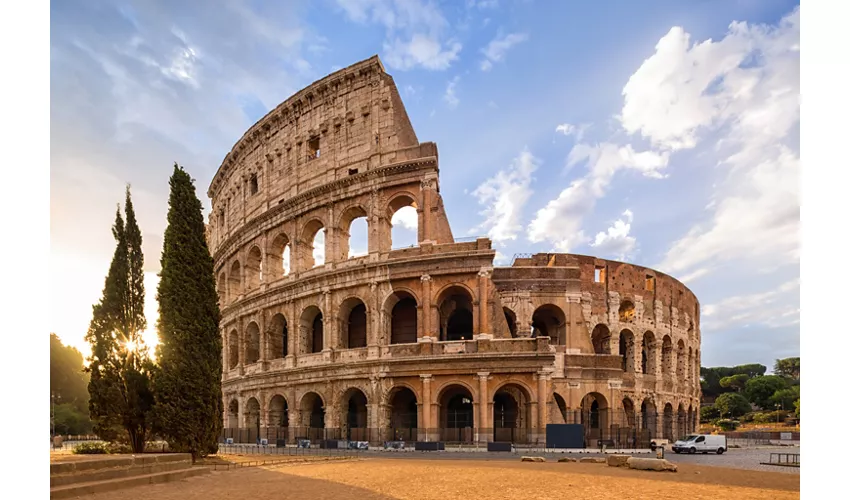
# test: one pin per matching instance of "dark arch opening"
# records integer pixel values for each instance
(403, 415)
(549, 321)
(318, 333)
(233, 349)
(510, 317)
(279, 337)
(313, 415)
(457, 415)
(357, 326)
(252, 351)
(456, 320)
(601, 340)
(403, 321)
(510, 414)
(355, 416)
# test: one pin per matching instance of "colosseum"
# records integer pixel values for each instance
(431, 342)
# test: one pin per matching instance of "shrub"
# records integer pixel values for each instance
(727, 424)
(770, 417)
(118, 448)
(707, 413)
(732, 404)
(91, 448)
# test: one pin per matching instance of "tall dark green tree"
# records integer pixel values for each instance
(188, 382)
(119, 385)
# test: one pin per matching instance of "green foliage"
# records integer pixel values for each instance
(708, 413)
(760, 389)
(91, 448)
(797, 408)
(118, 448)
(69, 419)
(188, 382)
(788, 368)
(736, 382)
(119, 386)
(785, 398)
(770, 417)
(711, 377)
(732, 404)
(68, 379)
(727, 424)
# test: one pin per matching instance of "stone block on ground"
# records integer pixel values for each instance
(533, 459)
(653, 464)
(592, 460)
(567, 459)
(618, 460)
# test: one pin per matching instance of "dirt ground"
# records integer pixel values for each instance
(460, 479)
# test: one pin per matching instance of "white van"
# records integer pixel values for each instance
(703, 443)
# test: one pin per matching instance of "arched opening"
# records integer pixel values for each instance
(313, 415)
(353, 323)
(222, 289)
(233, 349)
(355, 415)
(403, 415)
(692, 423)
(647, 354)
(601, 340)
(627, 311)
(693, 365)
(278, 337)
(649, 418)
(234, 282)
(510, 317)
(253, 268)
(549, 321)
(666, 356)
(312, 330)
(681, 422)
(627, 351)
(353, 235)
(629, 412)
(252, 420)
(455, 308)
(627, 433)
(681, 360)
(277, 257)
(561, 404)
(278, 419)
(667, 428)
(404, 222)
(313, 253)
(233, 414)
(594, 418)
(456, 414)
(252, 350)
(511, 418)
(403, 321)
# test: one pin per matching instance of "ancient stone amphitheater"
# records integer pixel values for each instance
(429, 342)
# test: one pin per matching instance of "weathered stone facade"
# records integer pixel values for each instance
(433, 338)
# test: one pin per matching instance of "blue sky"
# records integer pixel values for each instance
(665, 133)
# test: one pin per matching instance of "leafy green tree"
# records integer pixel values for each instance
(711, 376)
(797, 408)
(736, 382)
(119, 386)
(708, 412)
(188, 382)
(732, 404)
(68, 379)
(759, 390)
(785, 398)
(788, 368)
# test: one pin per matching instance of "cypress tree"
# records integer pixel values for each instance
(187, 384)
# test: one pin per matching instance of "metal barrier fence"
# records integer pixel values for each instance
(313, 451)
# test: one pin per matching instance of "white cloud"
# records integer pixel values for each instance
(319, 248)
(450, 97)
(496, 49)
(616, 241)
(560, 221)
(416, 32)
(569, 129)
(691, 277)
(772, 309)
(504, 196)
(407, 217)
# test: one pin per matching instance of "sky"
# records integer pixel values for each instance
(662, 133)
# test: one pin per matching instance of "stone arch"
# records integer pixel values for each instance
(681, 422)
(403, 413)
(550, 321)
(454, 304)
(252, 414)
(457, 412)
(667, 427)
(354, 414)
(647, 353)
(681, 360)
(601, 339)
(510, 317)
(511, 413)
(344, 226)
(627, 311)
(252, 348)
(278, 256)
(312, 330)
(400, 201)
(312, 413)
(401, 310)
(310, 256)
(233, 414)
(627, 350)
(666, 356)
(630, 419)
(561, 404)
(691, 419)
(234, 281)
(233, 349)
(254, 268)
(649, 417)
(278, 411)
(278, 335)
(353, 323)
(693, 365)
(222, 288)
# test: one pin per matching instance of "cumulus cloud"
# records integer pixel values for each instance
(496, 49)
(560, 221)
(450, 97)
(772, 309)
(569, 129)
(616, 241)
(416, 32)
(406, 217)
(504, 195)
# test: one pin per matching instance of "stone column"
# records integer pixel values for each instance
(374, 321)
(484, 428)
(331, 249)
(483, 312)
(542, 404)
(264, 341)
(293, 330)
(426, 188)
(426, 305)
(240, 335)
(329, 324)
(426, 408)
